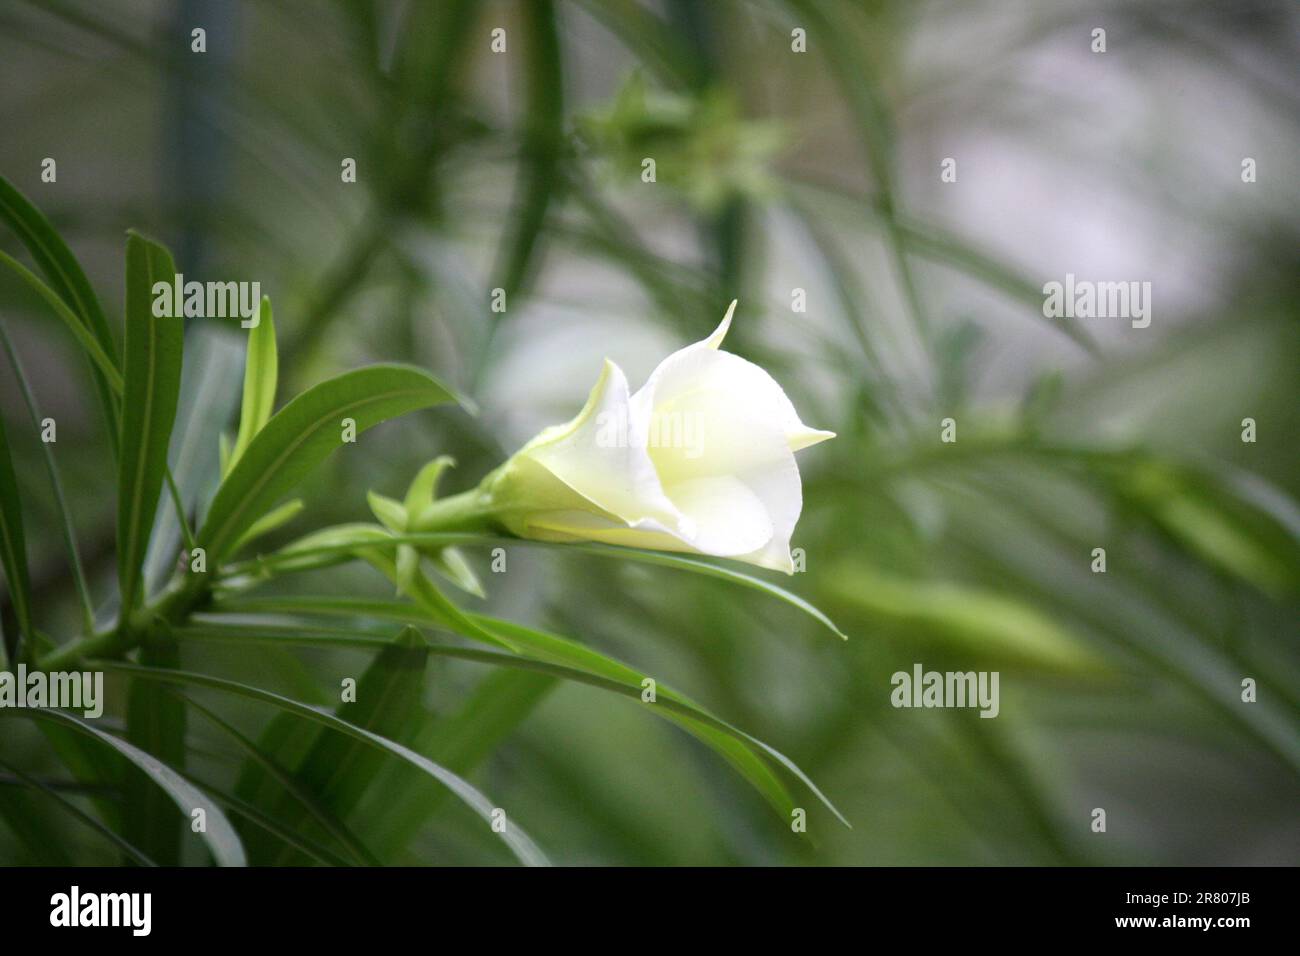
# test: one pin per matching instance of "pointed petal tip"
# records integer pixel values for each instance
(720, 333)
(806, 437)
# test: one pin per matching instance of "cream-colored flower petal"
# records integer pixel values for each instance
(781, 492)
(703, 366)
(575, 525)
(601, 455)
(714, 341)
(723, 515)
(700, 460)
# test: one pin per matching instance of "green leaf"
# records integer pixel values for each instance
(338, 770)
(460, 741)
(451, 564)
(220, 835)
(734, 745)
(27, 820)
(388, 511)
(13, 545)
(514, 837)
(152, 387)
(56, 485)
(973, 620)
(420, 495)
(61, 269)
(448, 562)
(304, 549)
(76, 811)
(273, 519)
(55, 259)
(104, 365)
(550, 653)
(253, 815)
(301, 435)
(260, 371)
(214, 367)
(320, 549)
(267, 765)
(155, 723)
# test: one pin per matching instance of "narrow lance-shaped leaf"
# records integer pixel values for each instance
(301, 435)
(56, 485)
(261, 369)
(264, 764)
(13, 546)
(449, 562)
(460, 741)
(316, 549)
(549, 654)
(104, 364)
(738, 749)
(273, 519)
(58, 799)
(338, 770)
(155, 723)
(218, 834)
(513, 836)
(64, 273)
(152, 382)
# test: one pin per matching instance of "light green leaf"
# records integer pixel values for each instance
(419, 496)
(301, 435)
(387, 511)
(225, 448)
(152, 386)
(451, 564)
(273, 519)
(261, 369)
(971, 619)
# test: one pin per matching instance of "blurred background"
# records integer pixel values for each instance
(799, 154)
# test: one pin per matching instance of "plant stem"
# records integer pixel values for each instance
(468, 511)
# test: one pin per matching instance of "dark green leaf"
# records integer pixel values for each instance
(76, 811)
(56, 261)
(220, 836)
(266, 764)
(13, 545)
(104, 364)
(338, 769)
(155, 723)
(152, 384)
(514, 837)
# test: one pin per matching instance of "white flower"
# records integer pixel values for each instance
(700, 459)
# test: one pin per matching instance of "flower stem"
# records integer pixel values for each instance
(468, 511)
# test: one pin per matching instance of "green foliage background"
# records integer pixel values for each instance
(775, 170)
